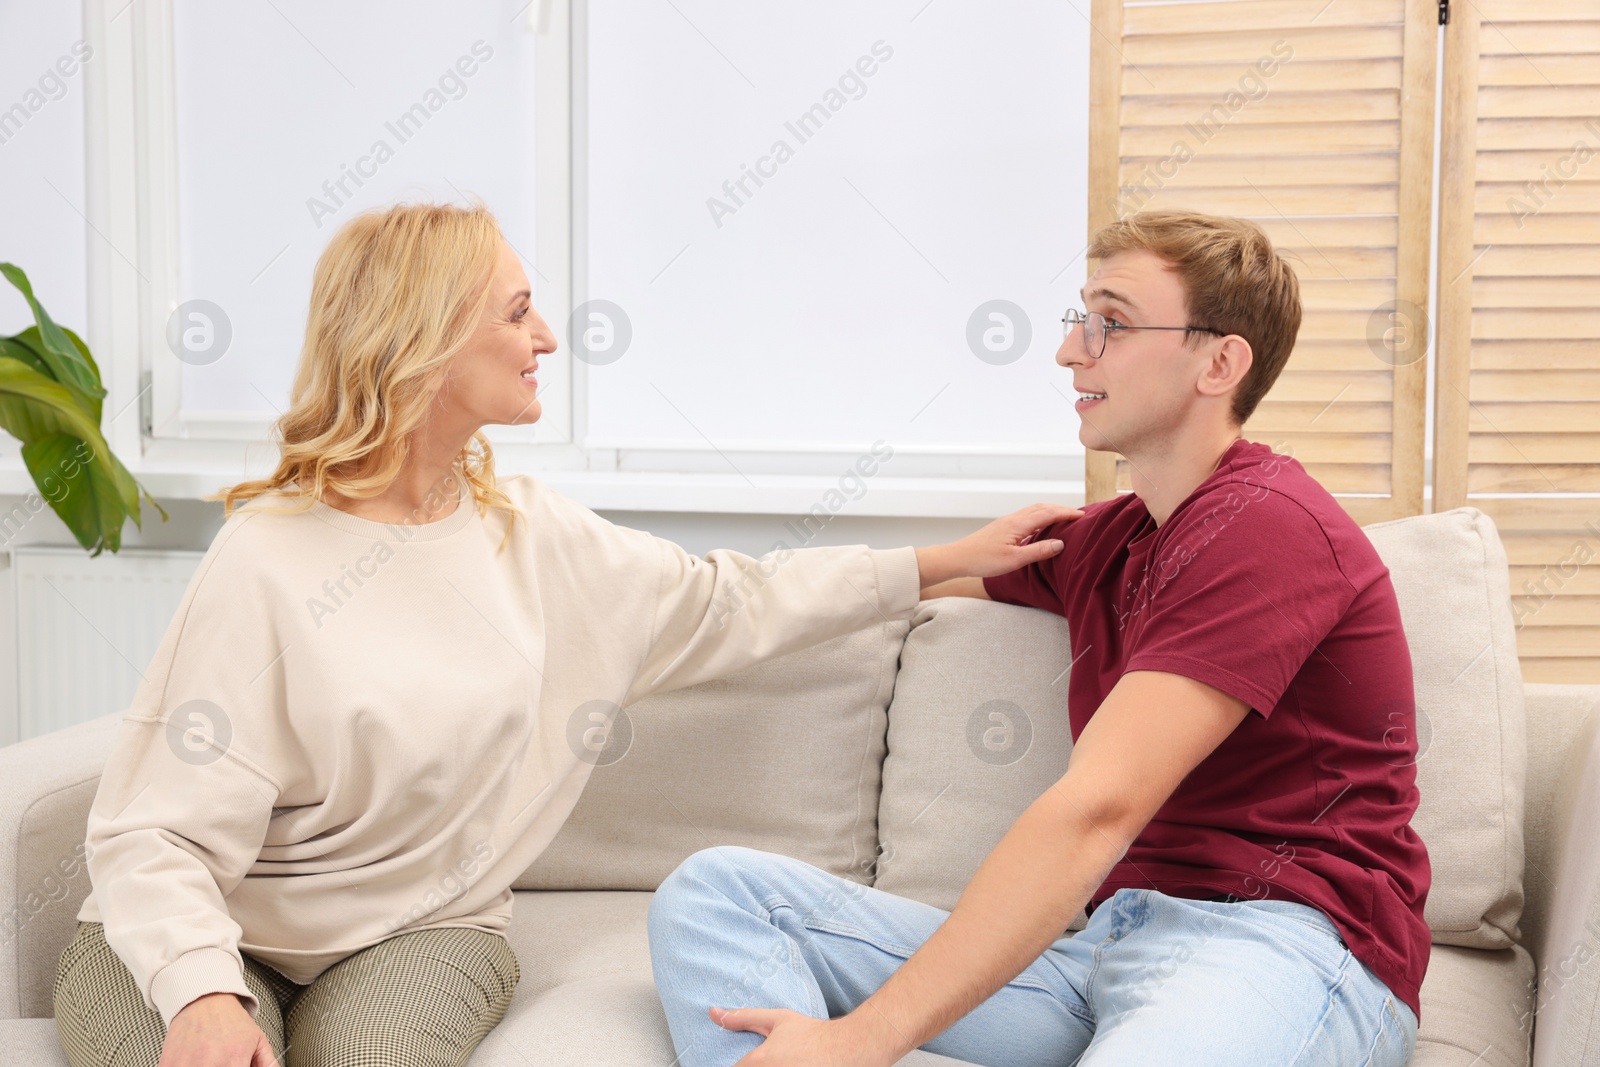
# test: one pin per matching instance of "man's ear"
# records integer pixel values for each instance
(1228, 366)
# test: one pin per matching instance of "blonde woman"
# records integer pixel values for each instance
(355, 732)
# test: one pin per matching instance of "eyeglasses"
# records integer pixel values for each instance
(1096, 328)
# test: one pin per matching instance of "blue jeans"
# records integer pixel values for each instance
(1152, 980)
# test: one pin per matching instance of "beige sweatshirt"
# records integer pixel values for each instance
(351, 729)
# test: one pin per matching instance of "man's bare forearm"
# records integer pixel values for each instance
(1018, 903)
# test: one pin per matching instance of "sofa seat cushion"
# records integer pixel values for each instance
(31, 1043)
(587, 994)
(1477, 1008)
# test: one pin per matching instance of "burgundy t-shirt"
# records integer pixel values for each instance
(1260, 585)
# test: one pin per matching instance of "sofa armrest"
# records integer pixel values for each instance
(46, 787)
(1561, 924)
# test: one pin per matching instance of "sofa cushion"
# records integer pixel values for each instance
(784, 756)
(1450, 578)
(977, 730)
(587, 995)
(1477, 1008)
(949, 796)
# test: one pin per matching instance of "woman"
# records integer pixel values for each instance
(359, 727)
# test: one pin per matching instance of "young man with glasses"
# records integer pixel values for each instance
(1236, 811)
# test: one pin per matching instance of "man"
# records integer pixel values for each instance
(1236, 810)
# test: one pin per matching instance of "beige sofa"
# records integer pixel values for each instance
(879, 756)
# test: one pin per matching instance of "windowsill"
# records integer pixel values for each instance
(759, 494)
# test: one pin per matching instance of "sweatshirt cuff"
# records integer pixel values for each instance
(899, 580)
(193, 975)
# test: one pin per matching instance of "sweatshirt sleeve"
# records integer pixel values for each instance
(716, 614)
(182, 809)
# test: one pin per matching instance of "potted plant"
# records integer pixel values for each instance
(50, 396)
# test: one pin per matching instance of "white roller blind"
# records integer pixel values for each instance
(293, 116)
(801, 208)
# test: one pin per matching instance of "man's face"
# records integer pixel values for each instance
(1147, 375)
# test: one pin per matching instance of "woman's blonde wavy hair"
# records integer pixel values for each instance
(395, 296)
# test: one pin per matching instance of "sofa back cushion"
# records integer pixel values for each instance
(784, 756)
(951, 788)
(1450, 577)
(977, 730)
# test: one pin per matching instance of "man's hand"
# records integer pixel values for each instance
(999, 548)
(216, 1031)
(800, 1040)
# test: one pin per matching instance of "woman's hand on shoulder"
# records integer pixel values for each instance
(1001, 547)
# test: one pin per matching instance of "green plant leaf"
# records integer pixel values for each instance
(79, 489)
(66, 363)
(19, 380)
(29, 341)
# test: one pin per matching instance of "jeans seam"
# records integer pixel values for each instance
(827, 926)
(1335, 991)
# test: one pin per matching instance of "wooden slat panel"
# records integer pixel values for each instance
(1582, 583)
(1548, 385)
(1346, 294)
(1544, 10)
(1549, 227)
(1306, 171)
(1558, 641)
(1246, 140)
(1535, 39)
(1330, 387)
(1333, 356)
(1531, 447)
(1335, 261)
(1528, 418)
(1274, 417)
(1214, 80)
(1560, 550)
(1508, 197)
(1144, 20)
(1568, 324)
(1287, 200)
(1543, 134)
(1544, 167)
(1245, 45)
(1578, 517)
(1578, 671)
(1547, 70)
(1546, 292)
(1329, 447)
(1533, 478)
(1517, 355)
(1537, 101)
(1376, 105)
(1533, 261)
(1562, 609)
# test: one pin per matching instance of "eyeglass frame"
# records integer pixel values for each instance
(1081, 318)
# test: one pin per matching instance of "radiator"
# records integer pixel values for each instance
(86, 629)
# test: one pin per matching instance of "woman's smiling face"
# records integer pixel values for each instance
(491, 379)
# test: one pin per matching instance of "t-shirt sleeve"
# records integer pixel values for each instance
(1038, 585)
(1240, 596)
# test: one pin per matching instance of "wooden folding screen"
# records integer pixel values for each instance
(1517, 398)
